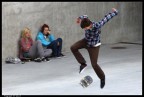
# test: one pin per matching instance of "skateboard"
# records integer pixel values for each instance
(86, 81)
(26, 59)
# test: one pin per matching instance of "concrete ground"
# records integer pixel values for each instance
(122, 67)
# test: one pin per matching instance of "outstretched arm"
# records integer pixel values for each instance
(107, 18)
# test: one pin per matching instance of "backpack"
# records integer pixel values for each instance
(13, 60)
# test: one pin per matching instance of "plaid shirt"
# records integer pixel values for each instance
(93, 35)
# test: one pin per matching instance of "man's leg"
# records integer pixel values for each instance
(59, 46)
(75, 50)
(33, 51)
(47, 52)
(53, 46)
(93, 53)
(41, 51)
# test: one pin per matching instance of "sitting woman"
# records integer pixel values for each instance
(33, 50)
(48, 41)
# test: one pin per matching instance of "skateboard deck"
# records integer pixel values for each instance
(86, 81)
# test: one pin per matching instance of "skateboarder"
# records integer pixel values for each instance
(92, 43)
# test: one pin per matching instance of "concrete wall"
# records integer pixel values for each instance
(61, 16)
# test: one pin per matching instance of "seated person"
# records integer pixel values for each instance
(48, 41)
(30, 49)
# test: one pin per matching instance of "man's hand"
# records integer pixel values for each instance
(27, 48)
(48, 32)
(113, 9)
(78, 20)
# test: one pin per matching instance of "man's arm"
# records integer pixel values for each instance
(51, 37)
(23, 45)
(107, 18)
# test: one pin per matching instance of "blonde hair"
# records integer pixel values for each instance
(24, 31)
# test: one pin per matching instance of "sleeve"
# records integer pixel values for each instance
(43, 40)
(51, 37)
(23, 45)
(106, 19)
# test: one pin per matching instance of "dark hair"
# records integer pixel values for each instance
(85, 23)
(44, 26)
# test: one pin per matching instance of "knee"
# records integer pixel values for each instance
(50, 51)
(72, 48)
(59, 40)
(54, 43)
(95, 65)
(38, 41)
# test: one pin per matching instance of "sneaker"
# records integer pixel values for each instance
(61, 55)
(52, 56)
(43, 59)
(47, 59)
(82, 67)
(37, 60)
(102, 83)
